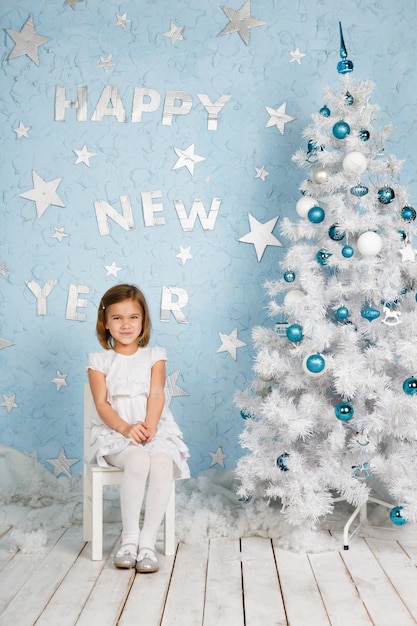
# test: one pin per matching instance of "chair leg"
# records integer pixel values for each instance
(97, 514)
(87, 535)
(169, 525)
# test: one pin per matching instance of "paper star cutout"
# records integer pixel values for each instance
(261, 235)
(22, 131)
(84, 156)
(27, 42)
(187, 158)
(3, 269)
(174, 32)
(9, 402)
(106, 62)
(71, 3)
(112, 269)
(43, 193)
(408, 253)
(278, 118)
(61, 464)
(171, 388)
(184, 254)
(297, 56)
(59, 380)
(261, 173)
(5, 343)
(230, 343)
(122, 20)
(217, 458)
(59, 233)
(240, 21)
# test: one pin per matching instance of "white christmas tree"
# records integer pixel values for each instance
(333, 408)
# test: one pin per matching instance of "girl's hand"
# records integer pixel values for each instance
(138, 433)
(151, 435)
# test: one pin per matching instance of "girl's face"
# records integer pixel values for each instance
(124, 322)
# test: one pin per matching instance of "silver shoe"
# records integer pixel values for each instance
(123, 559)
(147, 561)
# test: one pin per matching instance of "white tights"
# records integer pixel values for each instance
(139, 468)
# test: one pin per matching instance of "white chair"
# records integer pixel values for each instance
(94, 479)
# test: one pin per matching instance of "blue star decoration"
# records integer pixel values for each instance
(217, 458)
(62, 465)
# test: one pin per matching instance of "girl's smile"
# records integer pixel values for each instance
(124, 322)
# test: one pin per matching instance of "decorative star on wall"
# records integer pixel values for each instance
(84, 156)
(187, 158)
(27, 42)
(106, 62)
(171, 388)
(261, 173)
(5, 343)
(230, 343)
(72, 3)
(43, 193)
(112, 269)
(218, 457)
(62, 465)
(122, 20)
(240, 21)
(9, 402)
(59, 380)
(261, 235)
(3, 269)
(278, 117)
(59, 233)
(408, 253)
(174, 32)
(296, 55)
(22, 131)
(184, 254)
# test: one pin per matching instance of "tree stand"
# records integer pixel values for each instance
(362, 511)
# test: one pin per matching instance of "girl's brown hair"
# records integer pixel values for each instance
(118, 294)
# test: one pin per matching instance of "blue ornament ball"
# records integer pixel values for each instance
(295, 333)
(289, 276)
(364, 134)
(349, 98)
(245, 415)
(315, 363)
(348, 252)
(386, 195)
(342, 313)
(325, 111)
(341, 129)
(410, 386)
(359, 190)
(322, 256)
(335, 234)
(370, 314)
(408, 214)
(344, 411)
(316, 214)
(344, 66)
(282, 461)
(396, 516)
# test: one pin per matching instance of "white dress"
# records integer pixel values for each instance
(128, 382)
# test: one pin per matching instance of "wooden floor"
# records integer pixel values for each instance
(221, 582)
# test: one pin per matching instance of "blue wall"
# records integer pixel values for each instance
(72, 225)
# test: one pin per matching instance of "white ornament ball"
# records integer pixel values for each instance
(320, 175)
(369, 243)
(304, 204)
(355, 163)
(293, 296)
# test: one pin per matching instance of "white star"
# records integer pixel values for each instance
(22, 131)
(261, 173)
(261, 235)
(217, 458)
(174, 32)
(408, 253)
(43, 193)
(61, 464)
(297, 56)
(122, 20)
(184, 254)
(230, 343)
(71, 3)
(84, 156)
(106, 62)
(3, 269)
(278, 118)
(9, 402)
(240, 21)
(59, 380)
(171, 388)
(187, 158)
(112, 269)
(59, 233)
(5, 343)
(27, 42)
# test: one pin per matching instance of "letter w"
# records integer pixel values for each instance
(197, 209)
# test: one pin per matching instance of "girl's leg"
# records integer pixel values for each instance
(135, 461)
(159, 490)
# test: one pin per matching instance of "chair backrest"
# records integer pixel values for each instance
(88, 407)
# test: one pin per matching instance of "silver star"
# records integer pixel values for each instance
(43, 193)
(5, 343)
(22, 131)
(217, 458)
(71, 3)
(261, 173)
(112, 269)
(59, 380)
(408, 253)
(59, 233)
(230, 343)
(174, 32)
(27, 42)
(3, 269)
(240, 21)
(171, 388)
(297, 56)
(278, 118)
(106, 62)
(187, 158)
(184, 254)
(84, 156)
(122, 20)
(261, 235)
(61, 464)
(9, 402)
